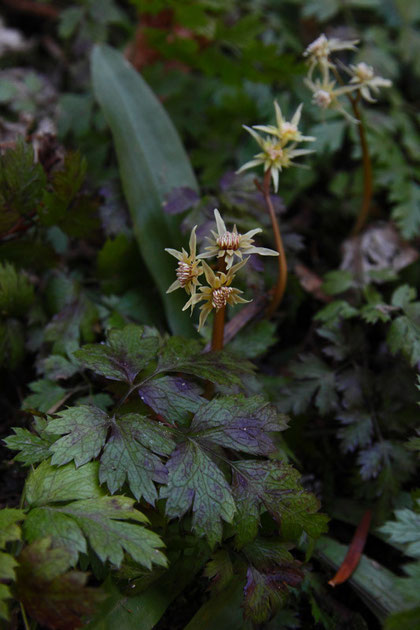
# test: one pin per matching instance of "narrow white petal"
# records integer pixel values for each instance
(271, 129)
(279, 116)
(296, 116)
(255, 135)
(250, 164)
(220, 224)
(174, 252)
(252, 233)
(193, 242)
(175, 285)
(275, 178)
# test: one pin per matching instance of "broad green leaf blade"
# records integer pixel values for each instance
(100, 521)
(373, 582)
(223, 611)
(142, 612)
(48, 484)
(152, 162)
(33, 448)
(172, 397)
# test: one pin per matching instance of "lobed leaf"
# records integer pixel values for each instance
(240, 423)
(126, 353)
(172, 397)
(9, 528)
(194, 481)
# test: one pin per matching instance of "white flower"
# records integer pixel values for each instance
(284, 130)
(364, 79)
(188, 269)
(319, 51)
(218, 294)
(326, 95)
(227, 245)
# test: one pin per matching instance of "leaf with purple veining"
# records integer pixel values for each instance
(172, 397)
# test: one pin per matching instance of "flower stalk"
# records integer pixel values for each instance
(280, 286)
(367, 171)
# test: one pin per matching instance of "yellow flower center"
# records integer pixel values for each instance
(220, 297)
(228, 240)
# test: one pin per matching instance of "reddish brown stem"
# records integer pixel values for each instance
(367, 172)
(218, 329)
(280, 285)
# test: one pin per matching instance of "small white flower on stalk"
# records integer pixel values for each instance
(227, 245)
(326, 95)
(188, 269)
(284, 130)
(364, 79)
(275, 155)
(218, 294)
(319, 51)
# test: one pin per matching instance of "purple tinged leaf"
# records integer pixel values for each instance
(172, 397)
(276, 487)
(132, 453)
(265, 592)
(126, 353)
(179, 200)
(239, 423)
(196, 482)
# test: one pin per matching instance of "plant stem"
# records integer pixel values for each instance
(280, 285)
(218, 329)
(367, 171)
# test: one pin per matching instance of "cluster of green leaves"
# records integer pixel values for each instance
(211, 463)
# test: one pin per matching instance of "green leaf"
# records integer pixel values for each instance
(22, 182)
(406, 212)
(7, 566)
(223, 611)
(239, 423)
(101, 522)
(48, 484)
(172, 397)
(129, 453)
(357, 430)
(194, 481)
(16, 292)
(55, 598)
(276, 487)
(337, 282)
(126, 353)
(313, 378)
(266, 591)
(33, 448)
(46, 394)
(9, 529)
(143, 611)
(152, 162)
(405, 530)
(254, 341)
(5, 593)
(84, 429)
(182, 355)
(404, 336)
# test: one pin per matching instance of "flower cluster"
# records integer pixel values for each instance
(278, 148)
(225, 246)
(326, 92)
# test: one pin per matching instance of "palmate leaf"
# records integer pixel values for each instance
(276, 487)
(196, 482)
(172, 397)
(132, 446)
(267, 590)
(87, 516)
(182, 355)
(55, 597)
(129, 453)
(405, 530)
(126, 353)
(313, 378)
(239, 423)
